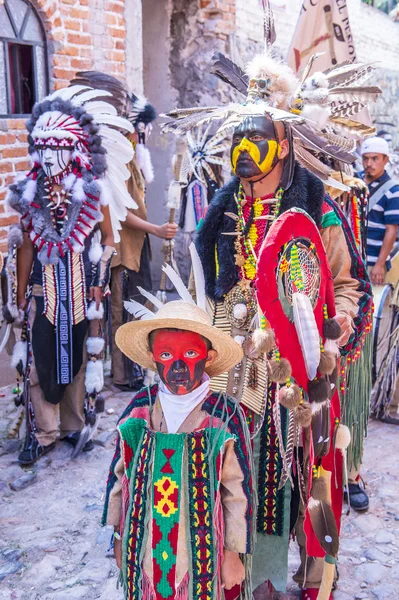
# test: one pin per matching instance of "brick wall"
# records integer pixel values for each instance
(81, 35)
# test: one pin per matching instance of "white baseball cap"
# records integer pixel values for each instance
(376, 145)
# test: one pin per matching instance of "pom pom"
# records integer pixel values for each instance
(280, 370)
(240, 312)
(95, 252)
(318, 390)
(303, 415)
(239, 339)
(19, 355)
(331, 329)
(327, 363)
(94, 379)
(261, 342)
(93, 313)
(289, 396)
(342, 437)
(95, 345)
(320, 489)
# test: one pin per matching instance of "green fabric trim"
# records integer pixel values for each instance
(330, 559)
(329, 219)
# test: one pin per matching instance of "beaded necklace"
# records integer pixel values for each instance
(247, 244)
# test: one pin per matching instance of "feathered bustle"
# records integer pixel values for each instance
(318, 390)
(289, 396)
(280, 370)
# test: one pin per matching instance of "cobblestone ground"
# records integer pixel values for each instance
(53, 548)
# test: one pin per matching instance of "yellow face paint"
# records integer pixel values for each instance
(253, 150)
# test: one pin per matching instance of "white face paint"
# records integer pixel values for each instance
(54, 160)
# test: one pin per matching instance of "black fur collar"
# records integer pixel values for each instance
(306, 192)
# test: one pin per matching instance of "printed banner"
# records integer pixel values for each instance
(323, 26)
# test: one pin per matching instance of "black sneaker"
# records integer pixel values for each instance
(73, 438)
(358, 497)
(31, 454)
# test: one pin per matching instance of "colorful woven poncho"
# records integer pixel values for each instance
(174, 522)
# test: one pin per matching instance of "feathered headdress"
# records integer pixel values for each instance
(83, 117)
(272, 89)
(203, 151)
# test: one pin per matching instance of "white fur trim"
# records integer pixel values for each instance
(105, 194)
(94, 379)
(143, 158)
(30, 191)
(92, 313)
(77, 190)
(19, 354)
(95, 345)
(317, 114)
(283, 80)
(95, 253)
(68, 181)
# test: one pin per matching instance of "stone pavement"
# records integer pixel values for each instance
(53, 548)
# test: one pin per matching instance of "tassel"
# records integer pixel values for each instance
(327, 363)
(320, 489)
(290, 396)
(261, 342)
(280, 370)
(331, 329)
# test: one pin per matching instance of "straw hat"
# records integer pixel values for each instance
(132, 338)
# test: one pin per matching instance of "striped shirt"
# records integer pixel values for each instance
(384, 212)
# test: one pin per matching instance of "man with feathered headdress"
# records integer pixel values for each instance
(131, 267)
(71, 204)
(283, 274)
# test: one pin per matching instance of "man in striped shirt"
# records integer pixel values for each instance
(383, 213)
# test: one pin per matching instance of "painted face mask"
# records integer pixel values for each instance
(180, 357)
(254, 150)
(54, 159)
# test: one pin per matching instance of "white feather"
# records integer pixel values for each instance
(157, 303)
(68, 92)
(95, 252)
(91, 94)
(199, 277)
(143, 158)
(138, 310)
(178, 284)
(119, 122)
(308, 334)
(99, 106)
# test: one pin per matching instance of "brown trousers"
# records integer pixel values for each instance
(69, 411)
(118, 361)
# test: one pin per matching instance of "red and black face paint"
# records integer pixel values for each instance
(180, 357)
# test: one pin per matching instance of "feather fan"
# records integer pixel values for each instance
(308, 334)
(138, 310)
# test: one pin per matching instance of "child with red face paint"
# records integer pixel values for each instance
(179, 493)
